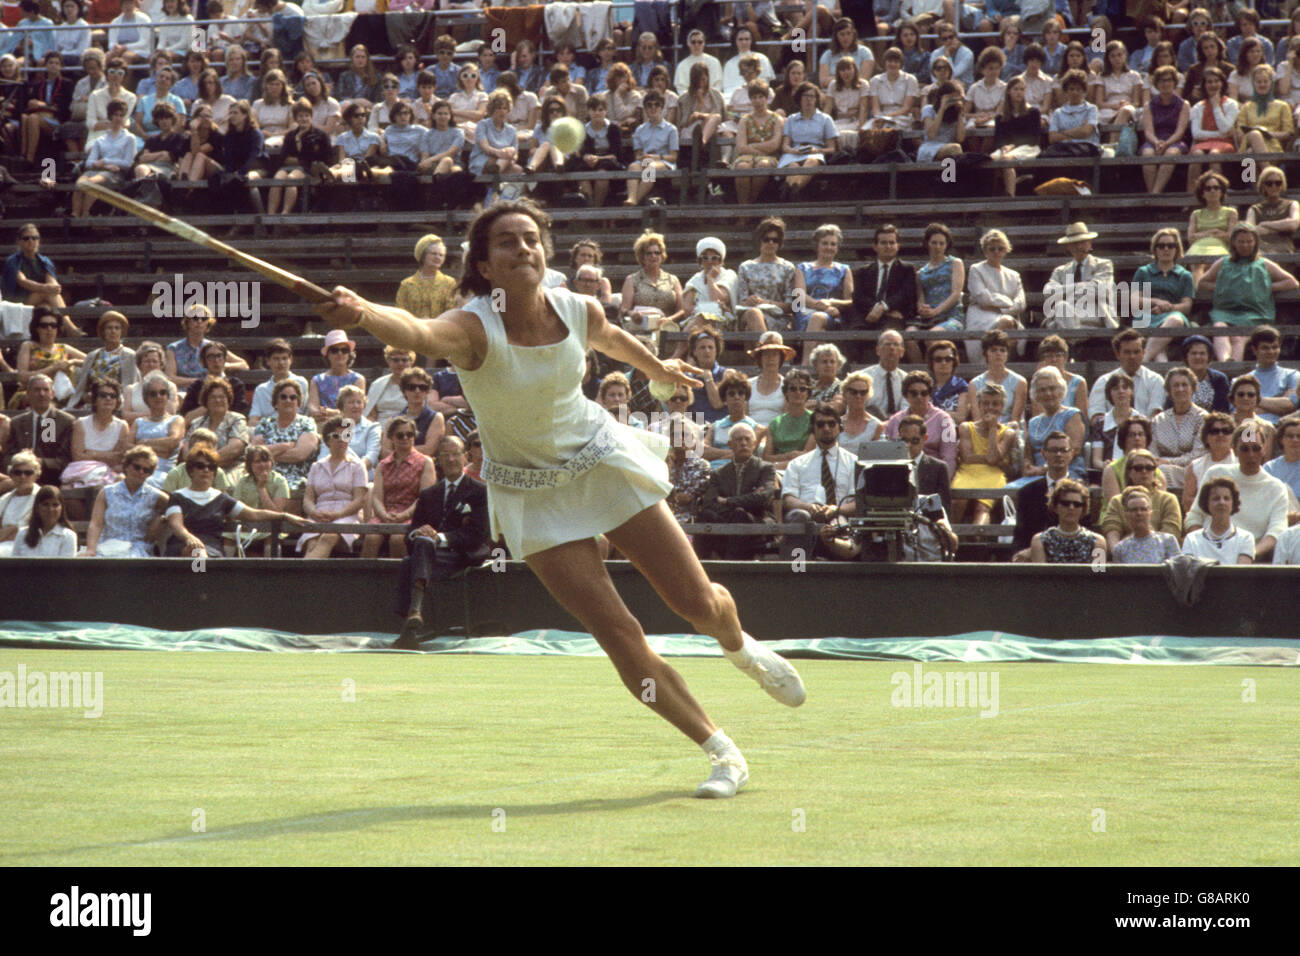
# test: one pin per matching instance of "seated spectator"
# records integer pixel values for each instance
(98, 440)
(1053, 351)
(885, 291)
(359, 83)
(16, 504)
(844, 43)
(1118, 91)
(818, 485)
(1212, 121)
(758, 142)
(996, 347)
(706, 403)
(1247, 19)
(1245, 392)
(197, 514)
(735, 391)
(828, 287)
(931, 478)
(1265, 501)
(48, 104)
(850, 103)
(430, 426)
(447, 396)
(260, 487)
(429, 292)
(385, 399)
(1264, 123)
(148, 358)
(600, 152)
(205, 148)
(1177, 429)
(29, 277)
(31, 430)
(765, 284)
(1221, 540)
(237, 83)
(767, 399)
(208, 88)
(41, 354)
(303, 148)
(1032, 512)
(217, 415)
(941, 441)
(48, 534)
(651, 296)
(128, 513)
(627, 103)
(447, 533)
(496, 141)
(941, 119)
(743, 39)
(893, 94)
(590, 280)
(1074, 123)
(1080, 293)
(588, 252)
(950, 47)
(984, 453)
(613, 394)
(1068, 542)
(858, 426)
(695, 40)
(183, 360)
(142, 122)
(1148, 387)
(361, 147)
(688, 473)
(790, 434)
(1208, 228)
(1017, 131)
(808, 137)
(941, 279)
(290, 437)
(737, 100)
(1286, 467)
(1173, 290)
(1141, 470)
(742, 491)
(1048, 389)
(1142, 545)
(1164, 126)
(1199, 23)
(996, 297)
(1211, 385)
(1277, 385)
(112, 361)
(916, 61)
(1239, 85)
(701, 109)
(886, 376)
(399, 480)
(160, 428)
(1038, 83)
(1130, 435)
(655, 143)
(109, 161)
(1009, 34)
(279, 359)
(335, 492)
(216, 362)
(341, 351)
(951, 391)
(1276, 217)
(984, 98)
(364, 438)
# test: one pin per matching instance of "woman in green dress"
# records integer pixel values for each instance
(1244, 284)
(790, 433)
(1209, 227)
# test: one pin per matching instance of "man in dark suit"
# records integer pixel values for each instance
(884, 292)
(448, 532)
(47, 104)
(1032, 513)
(43, 429)
(931, 479)
(740, 492)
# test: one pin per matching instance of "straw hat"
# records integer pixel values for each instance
(1077, 232)
(772, 340)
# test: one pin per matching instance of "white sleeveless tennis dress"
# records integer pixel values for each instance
(531, 413)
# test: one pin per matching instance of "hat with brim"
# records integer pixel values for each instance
(1197, 340)
(772, 341)
(336, 337)
(1077, 232)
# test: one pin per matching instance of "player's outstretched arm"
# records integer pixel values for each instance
(438, 338)
(622, 346)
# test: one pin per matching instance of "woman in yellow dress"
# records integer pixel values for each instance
(981, 461)
(430, 292)
(1264, 123)
(43, 354)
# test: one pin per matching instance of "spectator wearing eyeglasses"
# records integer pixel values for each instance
(323, 393)
(279, 359)
(16, 505)
(651, 295)
(818, 485)
(127, 514)
(790, 433)
(197, 514)
(399, 479)
(215, 358)
(28, 276)
(114, 90)
(260, 487)
(1172, 291)
(98, 439)
(474, 451)
(290, 437)
(41, 354)
(1068, 542)
(710, 295)
(159, 429)
(148, 358)
(1265, 501)
(1216, 437)
(335, 492)
(941, 441)
(1245, 394)
(183, 360)
(42, 429)
(735, 391)
(1141, 470)
(1143, 546)
(430, 426)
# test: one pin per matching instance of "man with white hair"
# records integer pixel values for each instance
(886, 376)
(740, 492)
(42, 429)
(588, 281)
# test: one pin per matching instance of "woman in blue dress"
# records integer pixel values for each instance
(942, 279)
(941, 118)
(562, 472)
(828, 287)
(323, 392)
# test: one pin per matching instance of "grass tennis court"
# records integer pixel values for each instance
(456, 759)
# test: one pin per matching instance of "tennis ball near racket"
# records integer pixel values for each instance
(662, 391)
(567, 134)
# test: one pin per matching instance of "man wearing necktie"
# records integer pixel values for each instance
(818, 487)
(884, 292)
(740, 492)
(887, 375)
(1080, 293)
(42, 429)
(448, 532)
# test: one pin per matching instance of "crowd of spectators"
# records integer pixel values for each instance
(273, 92)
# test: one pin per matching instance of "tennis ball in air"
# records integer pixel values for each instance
(662, 391)
(567, 134)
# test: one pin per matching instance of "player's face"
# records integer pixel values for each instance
(514, 250)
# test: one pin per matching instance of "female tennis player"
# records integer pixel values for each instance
(561, 471)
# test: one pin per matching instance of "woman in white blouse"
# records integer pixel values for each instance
(732, 79)
(1118, 92)
(174, 30)
(997, 296)
(892, 95)
(272, 110)
(48, 534)
(1211, 123)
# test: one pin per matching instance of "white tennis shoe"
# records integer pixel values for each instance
(730, 773)
(774, 674)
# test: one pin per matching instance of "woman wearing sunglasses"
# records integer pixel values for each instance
(1216, 437)
(1069, 542)
(128, 513)
(1142, 470)
(16, 505)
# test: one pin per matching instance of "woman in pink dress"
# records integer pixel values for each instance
(336, 492)
(399, 479)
